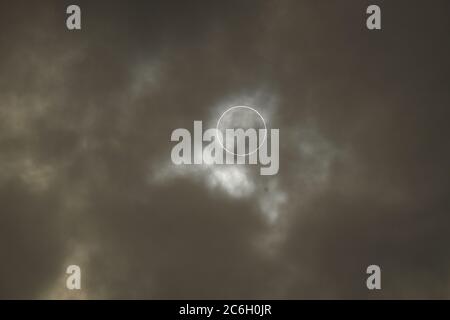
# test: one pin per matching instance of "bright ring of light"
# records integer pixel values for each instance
(220, 140)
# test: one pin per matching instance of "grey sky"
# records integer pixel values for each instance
(85, 170)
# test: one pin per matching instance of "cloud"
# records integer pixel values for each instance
(85, 171)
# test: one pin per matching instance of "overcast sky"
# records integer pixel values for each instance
(86, 176)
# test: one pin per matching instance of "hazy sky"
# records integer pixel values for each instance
(85, 170)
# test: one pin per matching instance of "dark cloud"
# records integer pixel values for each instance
(85, 175)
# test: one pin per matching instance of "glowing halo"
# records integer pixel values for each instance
(259, 145)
